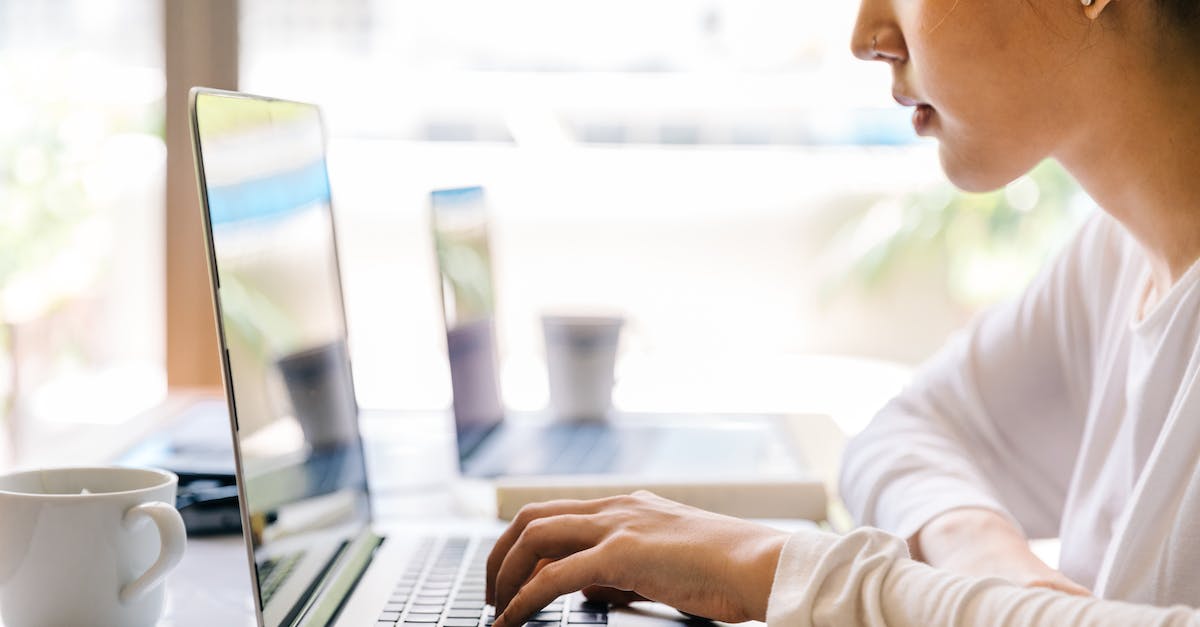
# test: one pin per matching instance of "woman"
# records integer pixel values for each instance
(1073, 411)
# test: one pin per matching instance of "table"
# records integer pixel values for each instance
(211, 586)
(413, 471)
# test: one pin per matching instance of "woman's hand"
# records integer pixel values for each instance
(696, 561)
(981, 542)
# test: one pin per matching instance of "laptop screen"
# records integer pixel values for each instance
(459, 221)
(282, 324)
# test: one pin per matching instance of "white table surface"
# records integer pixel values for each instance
(413, 474)
(211, 586)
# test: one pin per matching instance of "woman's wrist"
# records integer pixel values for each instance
(967, 530)
(982, 542)
(758, 572)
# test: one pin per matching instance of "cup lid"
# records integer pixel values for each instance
(589, 317)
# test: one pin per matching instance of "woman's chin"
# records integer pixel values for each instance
(975, 174)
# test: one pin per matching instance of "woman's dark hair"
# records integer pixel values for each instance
(1183, 14)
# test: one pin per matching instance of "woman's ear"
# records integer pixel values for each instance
(1093, 9)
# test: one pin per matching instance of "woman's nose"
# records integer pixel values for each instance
(876, 35)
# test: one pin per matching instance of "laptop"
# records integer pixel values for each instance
(317, 556)
(496, 443)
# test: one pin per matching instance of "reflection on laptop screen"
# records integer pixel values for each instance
(283, 329)
(460, 232)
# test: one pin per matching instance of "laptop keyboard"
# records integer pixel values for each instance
(583, 449)
(273, 572)
(445, 588)
(564, 449)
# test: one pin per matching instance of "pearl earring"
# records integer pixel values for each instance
(1087, 3)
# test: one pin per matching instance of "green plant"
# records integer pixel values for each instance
(61, 150)
(52, 183)
(988, 245)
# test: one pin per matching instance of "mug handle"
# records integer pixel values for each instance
(173, 536)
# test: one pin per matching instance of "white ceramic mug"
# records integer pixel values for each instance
(87, 547)
(581, 353)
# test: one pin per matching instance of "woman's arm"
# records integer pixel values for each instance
(866, 578)
(993, 422)
(980, 542)
(734, 570)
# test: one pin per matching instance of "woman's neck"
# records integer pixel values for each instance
(1137, 151)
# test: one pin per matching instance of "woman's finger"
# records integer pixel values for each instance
(545, 538)
(611, 596)
(571, 573)
(528, 514)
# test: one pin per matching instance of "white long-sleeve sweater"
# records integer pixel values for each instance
(865, 579)
(1066, 410)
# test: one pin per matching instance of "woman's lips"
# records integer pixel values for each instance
(922, 118)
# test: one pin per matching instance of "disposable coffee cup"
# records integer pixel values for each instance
(87, 546)
(581, 354)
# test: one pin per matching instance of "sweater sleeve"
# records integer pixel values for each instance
(995, 419)
(866, 579)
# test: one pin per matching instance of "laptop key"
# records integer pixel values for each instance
(461, 622)
(413, 619)
(588, 618)
(582, 604)
(390, 616)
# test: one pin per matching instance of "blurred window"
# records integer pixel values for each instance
(725, 172)
(725, 72)
(81, 202)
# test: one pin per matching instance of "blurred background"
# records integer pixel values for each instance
(724, 172)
